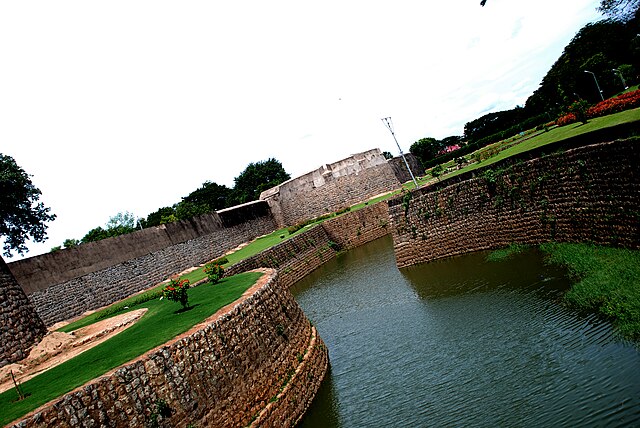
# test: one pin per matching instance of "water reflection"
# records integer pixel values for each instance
(462, 342)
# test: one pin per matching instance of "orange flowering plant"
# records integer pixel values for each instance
(214, 272)
(176, 291)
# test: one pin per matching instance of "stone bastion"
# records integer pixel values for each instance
(256, 362)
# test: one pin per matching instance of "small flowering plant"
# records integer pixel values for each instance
(176, 291)
(214, 272)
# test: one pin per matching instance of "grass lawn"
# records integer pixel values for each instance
(556, 134)
(160, 324)
(606, 281)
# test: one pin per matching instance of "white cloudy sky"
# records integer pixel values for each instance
(130, 105)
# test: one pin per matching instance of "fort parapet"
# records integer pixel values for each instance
(332, 187)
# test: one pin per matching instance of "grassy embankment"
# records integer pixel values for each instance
(161, 323)
(553, 135)
(606, 281)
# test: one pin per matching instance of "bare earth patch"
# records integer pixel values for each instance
(57, 347)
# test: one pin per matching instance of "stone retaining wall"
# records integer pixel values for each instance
(331, 188)
(585, 194)
(21, 328)
(296, 257)
(259, 364)
(95, 289)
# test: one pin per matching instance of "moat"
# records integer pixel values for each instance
(462, 342)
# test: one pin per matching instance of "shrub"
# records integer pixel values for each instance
(214, 272)
(623, 102)
(177, 291)
(579, 110)
(567, 119)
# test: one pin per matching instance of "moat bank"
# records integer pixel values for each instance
(462, 342)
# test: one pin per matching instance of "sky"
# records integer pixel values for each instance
(130, 105)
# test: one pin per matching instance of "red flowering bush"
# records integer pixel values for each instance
(214, 272)
(176, 291)
(613, 105)
(566, 119)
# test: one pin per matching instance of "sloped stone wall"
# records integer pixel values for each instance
(258, 363)
(21, 328)
(297, 256)
(585, 194)
(95, 286)
(331, 188)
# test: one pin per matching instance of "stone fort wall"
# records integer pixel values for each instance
(259, 364)
(69, 282)
(580, 194)
(331, 188)
(21, 327)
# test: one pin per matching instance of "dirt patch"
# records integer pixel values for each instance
(57, 347)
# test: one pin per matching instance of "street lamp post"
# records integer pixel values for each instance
(596, 80)
(616, 71)
(387, 122)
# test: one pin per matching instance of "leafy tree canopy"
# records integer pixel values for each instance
(426, 148)
(209, 197)
(619, 9)
(616, 9)
(598, 47)
(119, 224)
(161, 216)
(22, 217)
(256, 178)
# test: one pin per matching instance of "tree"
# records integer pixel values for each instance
(210, 197)
(119, 224)
(387, 155)
(256, 178)
(426, 148)
(122, 221)
(437, 171)
(22, 217)
(70, 243)
(617, 9)
(95, 234)
(160, 216)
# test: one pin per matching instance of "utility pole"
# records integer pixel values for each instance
(387, 122)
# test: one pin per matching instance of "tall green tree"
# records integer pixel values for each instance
(209, 197)
(160, 216)
(119, 224)
(256, 178)
(22, 216)
(426, 148)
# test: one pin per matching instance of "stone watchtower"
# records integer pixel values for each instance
(20, 325)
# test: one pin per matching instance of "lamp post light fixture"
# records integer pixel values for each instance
(596, 80)
(387, 122)
(616, 71)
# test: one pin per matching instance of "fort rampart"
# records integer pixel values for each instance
(258, 362)
(69, 282)
(21, 327)
(576, 194)
(331, 188)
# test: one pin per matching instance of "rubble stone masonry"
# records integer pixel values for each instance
(584, 194)
(68, 283)
(331, 188)
(260, 364)
(20, 326)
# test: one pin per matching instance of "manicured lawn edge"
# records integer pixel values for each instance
(606, 281)
(159, 325)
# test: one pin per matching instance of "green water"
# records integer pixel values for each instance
(462, 342)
